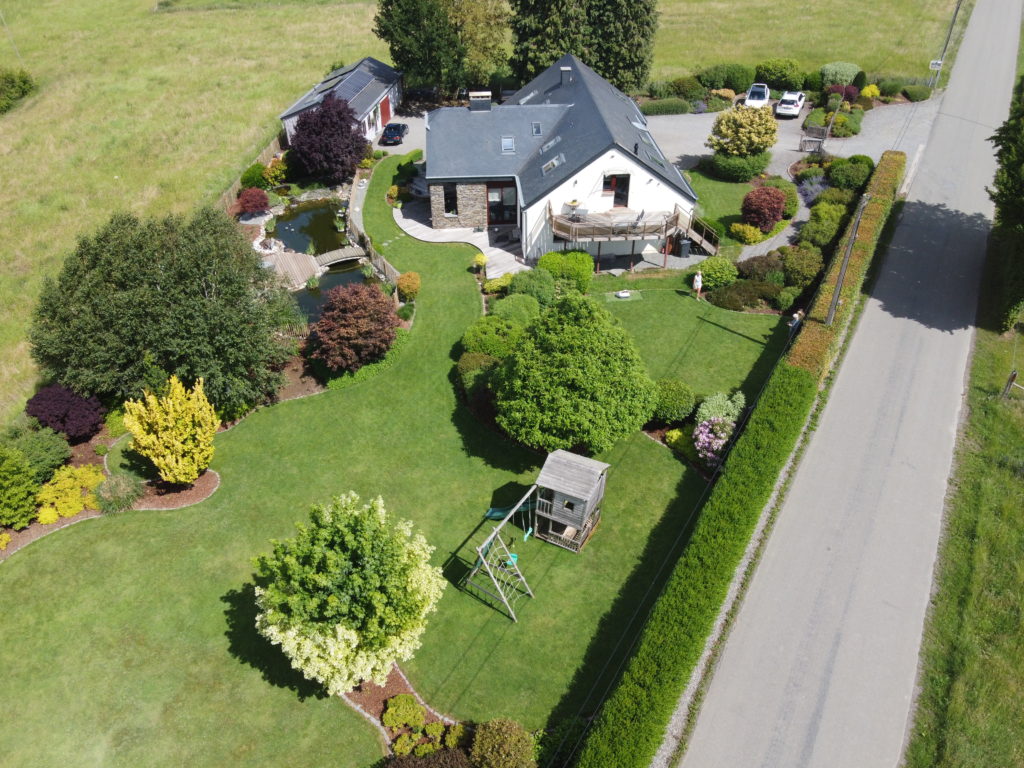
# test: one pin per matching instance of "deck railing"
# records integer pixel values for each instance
(583, 227)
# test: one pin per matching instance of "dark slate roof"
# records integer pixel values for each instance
(580, 120)
(571, 474)
(361, 84)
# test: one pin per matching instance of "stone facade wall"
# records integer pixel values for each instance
(472, 204)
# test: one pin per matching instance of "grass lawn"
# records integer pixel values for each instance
(134, 633)
(971, 710)
(680, 337)
(156, 111)
(720, 201)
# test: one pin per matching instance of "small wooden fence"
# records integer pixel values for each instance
(382, 265)
(227, 199)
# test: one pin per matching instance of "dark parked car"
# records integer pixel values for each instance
(393, 133)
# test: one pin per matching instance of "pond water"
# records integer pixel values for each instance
(315, 222)
(311, 301)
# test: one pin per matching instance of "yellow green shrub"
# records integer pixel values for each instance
(871, 92)
(175, 431)
(5, 539)
(70, 491)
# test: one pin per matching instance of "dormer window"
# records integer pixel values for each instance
(536, 129)
(508, 145)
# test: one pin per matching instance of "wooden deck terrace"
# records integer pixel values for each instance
(618, 224)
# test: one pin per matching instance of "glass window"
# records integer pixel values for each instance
(508, 145)
(536, 129)
(451, 199)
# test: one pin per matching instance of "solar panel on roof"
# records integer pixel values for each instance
(349, 89)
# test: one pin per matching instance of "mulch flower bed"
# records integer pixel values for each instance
(299, 380)
(160, 495)
(370, 698)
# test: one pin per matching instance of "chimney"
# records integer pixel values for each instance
(479, 101)
(566, 75)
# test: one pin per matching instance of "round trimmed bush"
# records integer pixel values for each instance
(736, 168)
(253, 177)
(736, 77)
(502, 743)
(813, 172)
(763, 207)
(917, 92)
(860, 79)
(43, 448)
(837, 196)
(689, 88)
(492, 336)
(747, 234)
(64, 410)
(823, 225)
(717, 272)
(781, 74)
(758, 267)
(862, 160)
(787, 296)
(802, 265)
(675, 401)
(518, 308)
(890, 88)
(538, 283)
(847, 175)
(812, 82)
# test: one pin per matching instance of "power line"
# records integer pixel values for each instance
(11, 35)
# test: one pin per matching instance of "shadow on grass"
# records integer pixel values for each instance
(619, 629)
(251, 648)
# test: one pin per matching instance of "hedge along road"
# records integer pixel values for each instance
(821, 663)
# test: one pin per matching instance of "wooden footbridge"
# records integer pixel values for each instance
(348, 253)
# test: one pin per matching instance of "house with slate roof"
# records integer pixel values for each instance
(567, 162)
(372, 89)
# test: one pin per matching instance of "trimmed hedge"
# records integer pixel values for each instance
(818, 344)
(670, 106)
(629, 727)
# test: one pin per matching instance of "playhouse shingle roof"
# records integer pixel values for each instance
(571, 474)
(361, 84)
(581, 116)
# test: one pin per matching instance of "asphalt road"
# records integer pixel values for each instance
(820, 667)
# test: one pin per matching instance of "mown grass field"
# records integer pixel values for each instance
(157, 111)
(130, 640)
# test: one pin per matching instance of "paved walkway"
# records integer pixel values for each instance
(503, 257)
(821, 664)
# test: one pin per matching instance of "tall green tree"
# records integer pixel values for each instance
(575, 381)
(613, 37)
(423, 40)
(144, 299)
(483, 30)
(348, 596)
(545, 30)
(622, 40)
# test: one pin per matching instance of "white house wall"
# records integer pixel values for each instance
(647, 193)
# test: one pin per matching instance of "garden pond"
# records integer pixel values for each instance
(314, 227)
(310, 300)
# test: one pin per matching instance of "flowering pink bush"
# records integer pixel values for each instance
(710, 437)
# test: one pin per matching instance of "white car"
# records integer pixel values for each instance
(790, 104)
(758, 96)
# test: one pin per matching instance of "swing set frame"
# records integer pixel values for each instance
(504, 581)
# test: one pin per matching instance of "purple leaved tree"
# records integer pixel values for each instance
(327, 141)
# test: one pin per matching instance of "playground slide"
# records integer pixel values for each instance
(500, 513)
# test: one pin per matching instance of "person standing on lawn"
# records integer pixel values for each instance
(698, 284)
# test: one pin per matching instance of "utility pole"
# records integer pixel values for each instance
(934, 79)
(1011, 382)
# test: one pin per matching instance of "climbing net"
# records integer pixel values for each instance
(496, 571)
